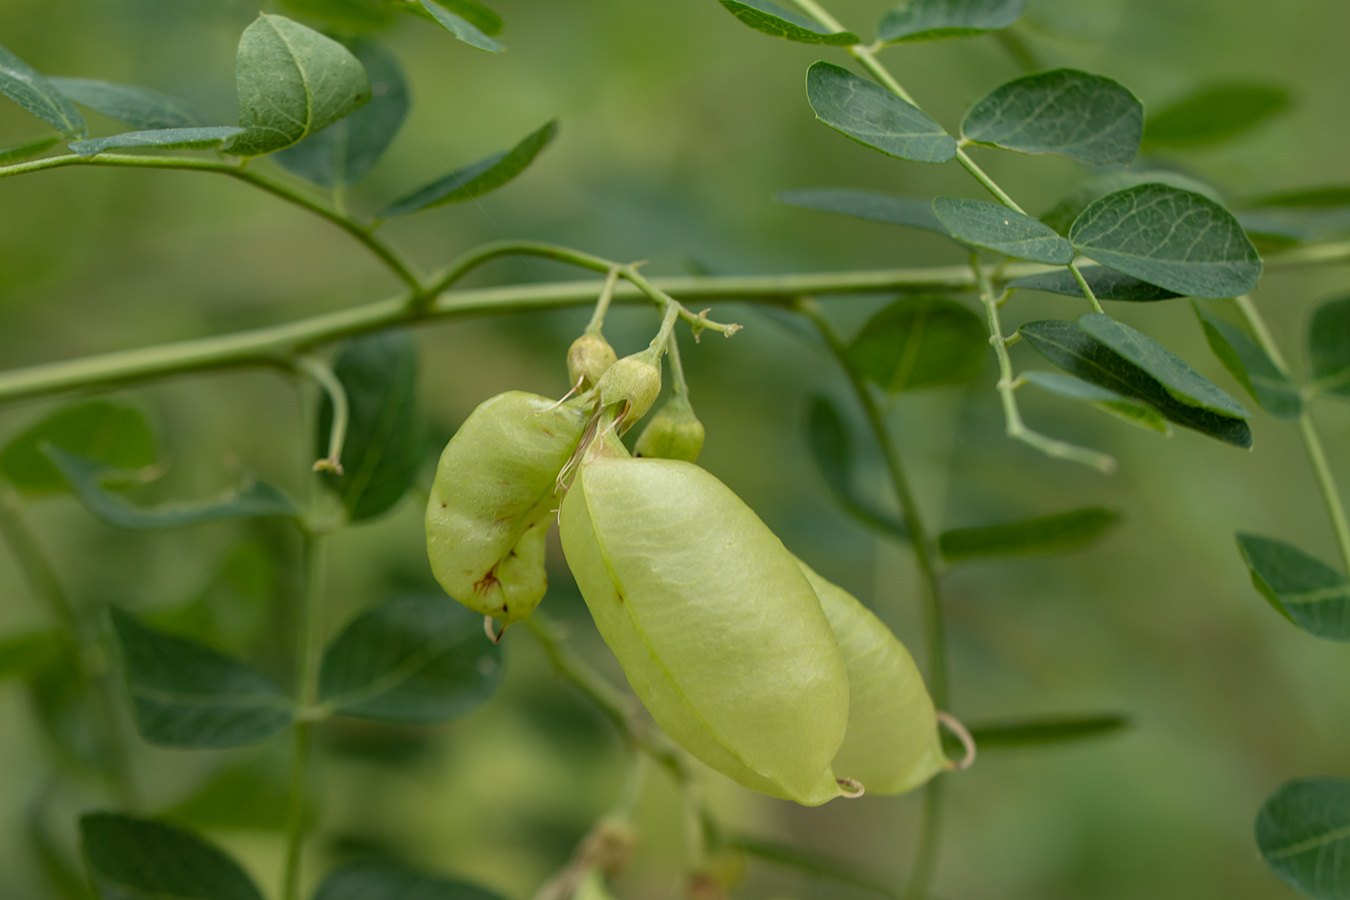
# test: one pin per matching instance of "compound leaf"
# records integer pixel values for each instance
(1170, 370)
(831, 448)
(114, 434)
(1250, 365)
(1077, 114)
(1329, 347)
(377, 879)
(413, 659)
(461, 26)
(1303, 832)
(140, 859)
(86, 477)
(1173, 238)
(1307, 591)
(874, 117)
(292, 82)
(1106, 284)
(140, 108)
(911, 211)
(1128, 409)
(23, 84)
(1069, 346)
(383, 448)
(212, 138)
(930, 20)
(1059, 533)
(1003, 230)
(1214, 114)
(346, 151)
(477, 179)
(185, 694)
(920, 341)
(772, 19)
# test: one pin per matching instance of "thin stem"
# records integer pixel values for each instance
(597, 321)
(681, 387)
(306, 695)
(1312, 442)
(41, 577)
(328, 382)
(1007, 388)
(989, 184)
(930, 832)
(1086, 288)
(381, 250)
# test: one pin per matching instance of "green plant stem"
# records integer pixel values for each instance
(1008, 383)
(1312, 441)
(306, 697)
(925, 555)
(597, 322)
(323, 375)
(377, 246)
(41, 577)
(678, 383)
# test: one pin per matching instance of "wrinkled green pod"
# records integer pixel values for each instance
(714, 623)
(893, 744)
(492, 501)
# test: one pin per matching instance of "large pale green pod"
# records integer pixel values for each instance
(893, 744)
(493, 499)
(714, 623)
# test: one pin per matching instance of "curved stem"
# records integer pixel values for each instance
(306, 695)
(381, 250)
(323, 375)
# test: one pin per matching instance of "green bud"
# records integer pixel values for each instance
(635, 379)
(588, 359)
(673, 433)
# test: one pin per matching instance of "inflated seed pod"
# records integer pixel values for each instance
(635, 379)
(673, 433)
(588, 359)
(893, 744)
(493, 499)
(715, 625)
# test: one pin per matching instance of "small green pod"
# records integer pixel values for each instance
(635, 379)
(492, 501)
(588, 359)
(673, 433)
(715, 625)
(893, 744)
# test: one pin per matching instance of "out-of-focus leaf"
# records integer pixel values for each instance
(346, 151)
(1061, 217)
(1106, 284)
(1175, 239)
(377, 879)
(1214, 114)
(23, 84)
(140, 859)
(476, 14)
(1307, 591)
(912, 211)
(874, 117)
(1128, 409)
(58, 869)
(1250, 365)
(1013, 735)
(86, 476)
(252, 795)
(772, 19)
(412, 659)
(185, 694)
(1069, 346)
(233, 609)
(140, 108)
(22, 655)
(28, 149)
(348, 16)
(1303, 831)
(1170, 370)
(382, 453)
(930, 20)
(477, 179)
(293, 82)
(1003, 230)
(114, 434)
(461, 27)
(831, 448)
(1077, 114)
(813, 863)
(213, 138)
(1059, 533)
(920, 341)
(1329, 347)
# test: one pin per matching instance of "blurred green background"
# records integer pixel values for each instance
(678, 126)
